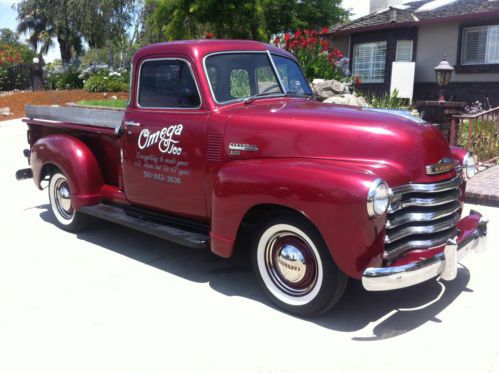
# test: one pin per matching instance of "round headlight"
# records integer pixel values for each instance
(469, 165)
(378, 198)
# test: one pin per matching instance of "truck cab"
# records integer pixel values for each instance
(221, 138)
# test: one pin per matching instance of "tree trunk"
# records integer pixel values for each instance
(65, 49)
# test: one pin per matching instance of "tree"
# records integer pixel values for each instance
(34, 21)
(7, 36)
(237, 19)
(98, 22)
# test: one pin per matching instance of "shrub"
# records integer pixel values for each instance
(63, 77)
(9, 57)
(388, 101)
(99, 83)
(484, 140)
(100, 78)
(318, 58)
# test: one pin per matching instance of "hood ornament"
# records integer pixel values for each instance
(444, 165)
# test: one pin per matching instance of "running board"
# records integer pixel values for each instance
(117, 215)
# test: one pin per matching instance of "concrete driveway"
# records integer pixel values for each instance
(114, 300)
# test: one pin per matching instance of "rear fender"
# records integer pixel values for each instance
(332, 197)
(75, 160)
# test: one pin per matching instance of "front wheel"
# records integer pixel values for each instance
(66, 216)
(294, 267)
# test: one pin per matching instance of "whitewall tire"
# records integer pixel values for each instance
(294, 267)
(66, 216)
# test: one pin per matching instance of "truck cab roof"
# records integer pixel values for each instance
(201, 48)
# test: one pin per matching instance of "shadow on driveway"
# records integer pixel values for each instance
(390, 313)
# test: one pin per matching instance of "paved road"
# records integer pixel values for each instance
(113, 300)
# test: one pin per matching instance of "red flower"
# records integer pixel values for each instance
(325, 30)
(286, 37)
(297, 33)
(209, 35)
(276, 41)
(357, 80)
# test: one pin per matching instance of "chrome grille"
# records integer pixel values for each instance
(422, 216)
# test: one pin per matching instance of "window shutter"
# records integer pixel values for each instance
(369, 61)
(474, 45)
(404, 51)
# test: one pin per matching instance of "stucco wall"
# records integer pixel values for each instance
(434, 41)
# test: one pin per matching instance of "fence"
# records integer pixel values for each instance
(16, 77)
(478, 133)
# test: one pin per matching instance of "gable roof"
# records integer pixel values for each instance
(414, 13)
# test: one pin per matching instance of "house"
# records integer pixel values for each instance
(465, 31)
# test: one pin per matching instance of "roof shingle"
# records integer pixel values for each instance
(409, 14)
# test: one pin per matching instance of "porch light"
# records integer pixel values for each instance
(443, 72)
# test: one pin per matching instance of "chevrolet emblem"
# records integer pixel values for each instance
(444, 165)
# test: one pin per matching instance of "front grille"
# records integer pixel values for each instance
(422, 216)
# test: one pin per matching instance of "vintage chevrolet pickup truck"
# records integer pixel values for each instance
(221, 135)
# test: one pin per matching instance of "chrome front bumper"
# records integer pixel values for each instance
(443, 264)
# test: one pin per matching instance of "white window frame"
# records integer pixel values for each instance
(371, 68)
(488, 46)
(411, 49)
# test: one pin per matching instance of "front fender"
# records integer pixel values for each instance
(75, 160)
(332, 197)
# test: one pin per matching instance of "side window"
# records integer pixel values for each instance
(239, 83)
(167, 84)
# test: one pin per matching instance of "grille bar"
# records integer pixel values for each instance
(422, 216)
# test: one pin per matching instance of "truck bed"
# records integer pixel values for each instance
(106, 118)
(95, 127)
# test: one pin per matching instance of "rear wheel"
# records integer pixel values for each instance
(65, 215)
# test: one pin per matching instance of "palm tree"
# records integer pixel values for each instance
(34, 21)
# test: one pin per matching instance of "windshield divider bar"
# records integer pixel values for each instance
(276, 73)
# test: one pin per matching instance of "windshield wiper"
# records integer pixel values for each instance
(298, 94)
(250, 99)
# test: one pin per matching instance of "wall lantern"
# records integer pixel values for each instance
(443, 72)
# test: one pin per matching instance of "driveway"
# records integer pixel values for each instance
(114, 300)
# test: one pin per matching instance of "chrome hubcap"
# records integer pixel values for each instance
(63, 199)
(291, 264)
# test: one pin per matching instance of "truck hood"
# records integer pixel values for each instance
(392, 146)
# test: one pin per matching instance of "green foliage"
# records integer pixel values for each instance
(112, 82)
(111, 103)
(388, 101)
(318, 58)
(236, 19)
(98, 22)
(63, 77)
(9, 58)
(484, 140)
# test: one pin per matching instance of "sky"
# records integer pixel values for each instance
(8, 17)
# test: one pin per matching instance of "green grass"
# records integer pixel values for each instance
(119, 103)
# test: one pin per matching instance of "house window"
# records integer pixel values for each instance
(404, 51)
(480, 45)
(369, 61)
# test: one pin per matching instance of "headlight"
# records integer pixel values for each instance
(469, 165)
(378, 198)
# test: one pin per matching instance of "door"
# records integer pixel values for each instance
(164, 142)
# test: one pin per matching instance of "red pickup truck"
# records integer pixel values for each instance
(223, 141)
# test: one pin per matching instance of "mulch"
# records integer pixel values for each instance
(17, 100)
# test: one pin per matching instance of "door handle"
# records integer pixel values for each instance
(131, 123)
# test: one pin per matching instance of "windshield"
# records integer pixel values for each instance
(240, 75)
(291, 76)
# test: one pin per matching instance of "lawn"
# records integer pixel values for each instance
(110, 103)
